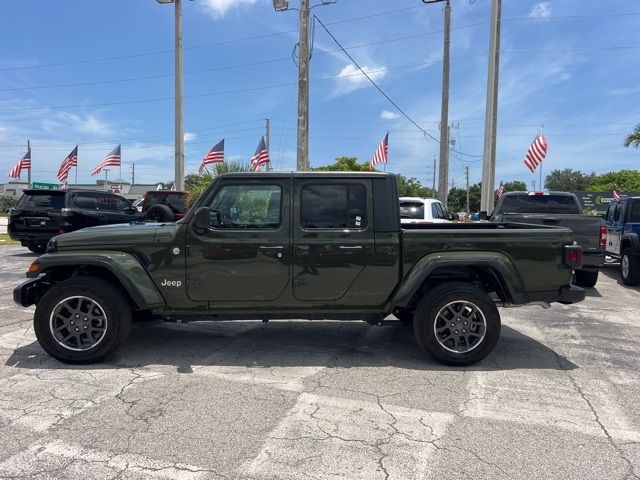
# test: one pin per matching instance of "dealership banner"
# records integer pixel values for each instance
(597, 203)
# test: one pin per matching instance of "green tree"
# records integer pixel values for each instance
(633, 139)
(197, 183)
(625, 180)
(6, 202)
(568, 180)
(457, 199)
(344, 164)
(515, 186)
(411, 187)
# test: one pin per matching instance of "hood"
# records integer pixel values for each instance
(121, 235)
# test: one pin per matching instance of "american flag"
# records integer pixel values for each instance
(67, 164)
(112, 160)
(536, 153)
(382, 153)
(617, 195)
(500, 190)
(215, 155)
(261, 157)
(23, 164)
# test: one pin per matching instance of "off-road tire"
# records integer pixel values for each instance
(159, 213)
(586, 278)
(37, 247)
(426, 320)
(633, 273)
(110, 301)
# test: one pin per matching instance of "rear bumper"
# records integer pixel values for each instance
(592, 260)
(32, 237)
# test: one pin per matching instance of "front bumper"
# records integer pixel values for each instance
(571, 294)
(30, 292)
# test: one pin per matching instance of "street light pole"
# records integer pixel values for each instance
(179, 116)
(444, 110)
(303, 89)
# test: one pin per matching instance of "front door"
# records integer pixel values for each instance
(612, 220)
(244, 256)
(333, 236)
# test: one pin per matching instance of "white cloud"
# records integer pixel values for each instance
(189, 136)
(540, 10)
(387, 115)
(219, 8)
(89, 124)
(352, 78)
(621, 92)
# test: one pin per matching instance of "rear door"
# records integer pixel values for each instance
(614, 230)
(333, 236)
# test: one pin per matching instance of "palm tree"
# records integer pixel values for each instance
(196, 184)
(633, 138)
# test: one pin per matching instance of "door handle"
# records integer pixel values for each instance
(350, 247)
(269, 247)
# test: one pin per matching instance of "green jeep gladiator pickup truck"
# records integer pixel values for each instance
(297, 246)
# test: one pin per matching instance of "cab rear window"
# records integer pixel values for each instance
(413, 210)
(539, 204)
(41, 200)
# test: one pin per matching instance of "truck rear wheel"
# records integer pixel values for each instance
(82, 320)
(457, 323)
(630, 267)
(586, 278)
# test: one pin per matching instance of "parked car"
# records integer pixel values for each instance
(623, 237)
(559, 209)
(42, 214)
(164, 205)
(300, 246)
(423, 210)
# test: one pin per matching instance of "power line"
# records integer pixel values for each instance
(204, 45)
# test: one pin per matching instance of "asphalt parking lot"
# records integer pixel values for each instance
(327, 400)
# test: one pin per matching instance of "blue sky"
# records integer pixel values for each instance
(566, 64)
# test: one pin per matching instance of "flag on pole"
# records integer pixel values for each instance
(536, 153)
(500, 190)
(382, 153)
(67, 164)
(215, 155)
(616, 195)
(112, 160)
(261, 157)
(23, 164)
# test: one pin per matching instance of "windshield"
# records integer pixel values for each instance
(539, 204)
(414, 210)
(41, 200)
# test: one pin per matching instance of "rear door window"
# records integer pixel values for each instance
(634, 213)
(334, 206)
(41, 201)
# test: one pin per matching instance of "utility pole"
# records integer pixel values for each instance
(303, 88)
(444, 109)
(491, 114)
(179, 120)
(534, 185)
(466, 174)
(433, 189)
(30, 163)
(267, 142)
(133, 173)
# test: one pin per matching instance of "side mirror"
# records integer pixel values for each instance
(202, 218)
(132, 209)
(454, 217)
(483, 215)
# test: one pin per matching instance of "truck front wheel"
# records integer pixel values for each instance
(457, 323)
(630, 267)
(82, 320)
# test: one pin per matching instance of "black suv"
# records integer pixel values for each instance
(43, 214)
